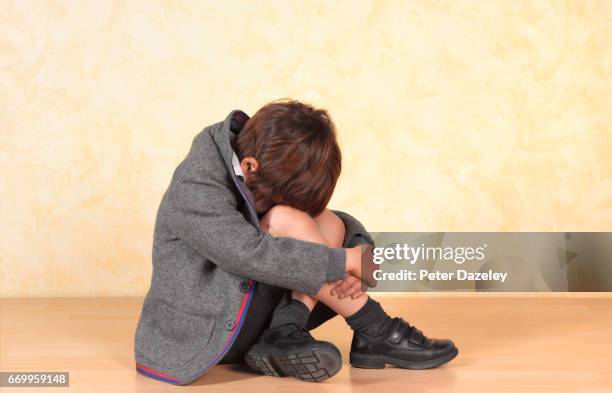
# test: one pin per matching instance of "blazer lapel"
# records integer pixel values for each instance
(232, 124)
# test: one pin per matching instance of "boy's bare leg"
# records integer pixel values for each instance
(328, 229)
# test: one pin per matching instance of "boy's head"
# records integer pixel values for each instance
(289, 155)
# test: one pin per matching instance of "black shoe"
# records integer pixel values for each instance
(289, 350)
(404, 346)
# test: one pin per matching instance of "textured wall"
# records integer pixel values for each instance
(453, 116)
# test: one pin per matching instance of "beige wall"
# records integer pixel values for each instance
(453, 116)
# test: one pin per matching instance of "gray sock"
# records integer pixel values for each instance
(370, 320)
(293, 311)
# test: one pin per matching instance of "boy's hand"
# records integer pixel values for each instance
(350, 286)
(360, 263)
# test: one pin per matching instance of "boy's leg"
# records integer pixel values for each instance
(333, 230)
(376, 334)
(326, 229)
(286, 347)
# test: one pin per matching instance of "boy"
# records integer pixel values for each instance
(247, 259)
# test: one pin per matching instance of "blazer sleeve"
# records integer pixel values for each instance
(203, 212)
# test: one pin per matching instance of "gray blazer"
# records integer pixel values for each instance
(209, 252)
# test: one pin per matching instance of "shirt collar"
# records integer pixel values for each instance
(236, 165)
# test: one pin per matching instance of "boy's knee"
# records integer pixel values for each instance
(282, 220)
(332, 227)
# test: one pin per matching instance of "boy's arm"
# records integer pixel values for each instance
(203, 212)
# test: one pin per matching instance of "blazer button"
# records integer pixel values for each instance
(244, 287)
(230, 324)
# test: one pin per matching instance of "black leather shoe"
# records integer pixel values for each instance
(289, 350)
(405, 346)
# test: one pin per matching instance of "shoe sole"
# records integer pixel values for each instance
(313, 364)
(377, 361)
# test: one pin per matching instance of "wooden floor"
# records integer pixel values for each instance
(507, 342)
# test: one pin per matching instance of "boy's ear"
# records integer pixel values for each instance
(249, 165)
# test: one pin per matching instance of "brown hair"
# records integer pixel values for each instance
(299, 158)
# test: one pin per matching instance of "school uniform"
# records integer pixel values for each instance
(212, 262)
